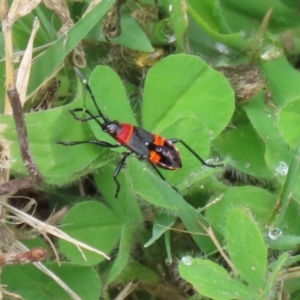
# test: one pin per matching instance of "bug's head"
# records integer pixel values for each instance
(112, 127)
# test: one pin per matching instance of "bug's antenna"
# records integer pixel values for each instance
(84, 81)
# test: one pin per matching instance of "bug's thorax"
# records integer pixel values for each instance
(121, 132)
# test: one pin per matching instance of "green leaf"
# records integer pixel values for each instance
(83, 280)
(94, 224)
(161, 224)
(264, 118)
(288, 119)
(208, 11)
(248, 157)
(246, 247)
(276, 268)
(213, 281)
(264, 121)
(181, 86)
(178, 19)
(249, 196)
(260, 202)
(126, 208)
(290, 187)
(124, 254)
(284, 242)
(33, 242)
(209, 17)
(288, 90)
(249, 15)
(135, 270)
(132, 36)
(146, 184)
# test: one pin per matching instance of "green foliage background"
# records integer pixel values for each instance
(255, 194)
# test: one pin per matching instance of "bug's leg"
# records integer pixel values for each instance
(117, 171)
(95, 142)
(174, 141)
(84, 81)
(160, 175)
(84, 119)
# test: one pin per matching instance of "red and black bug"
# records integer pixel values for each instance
(159, 151)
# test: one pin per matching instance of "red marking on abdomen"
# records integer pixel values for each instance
(125, 134)
(158, 140)
(154, 157)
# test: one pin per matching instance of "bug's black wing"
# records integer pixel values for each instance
(139, 142)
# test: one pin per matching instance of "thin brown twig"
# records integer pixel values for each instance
(35, 175)
(14, 185)
(212, 236)
(127, 290)
(22, 133)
